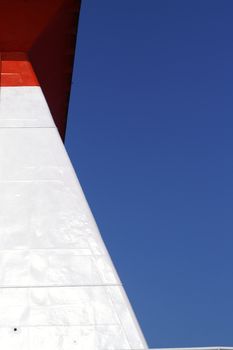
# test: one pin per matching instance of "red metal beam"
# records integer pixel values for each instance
(46, 31)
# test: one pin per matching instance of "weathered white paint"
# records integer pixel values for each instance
(58, 287)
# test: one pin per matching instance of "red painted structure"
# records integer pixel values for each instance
(16, 70)
(44, 30)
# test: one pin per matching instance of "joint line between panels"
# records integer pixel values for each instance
(64, 286)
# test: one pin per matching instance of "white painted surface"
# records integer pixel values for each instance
(58, 286)
(24, 106)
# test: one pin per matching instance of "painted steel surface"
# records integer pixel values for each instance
(46, 31)
(16, 70)
(58, 287)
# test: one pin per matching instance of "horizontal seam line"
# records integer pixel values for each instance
(28, 127)
(64, 325)
(64, 286)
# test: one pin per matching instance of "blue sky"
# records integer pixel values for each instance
(150, 135)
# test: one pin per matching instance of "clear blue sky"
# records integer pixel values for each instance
(150, 135)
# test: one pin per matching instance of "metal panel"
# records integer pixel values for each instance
(59, 289)
(17, 108)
